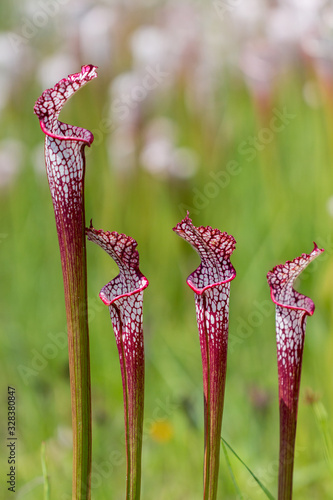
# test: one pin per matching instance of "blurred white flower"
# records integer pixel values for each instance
(156, 155)
(38, 159)
(95, 29)
(246, 15)
(5, 79)
(321, 52)
(64, 437)
(327, 17)
(125, 99)
(15, 65)
(329, 206)
(131, 91)
(182, 21)
(161, 157)
(259, 62)
(55, 67)
(288, 24)
(8, 56)
(159, 137)
(184, 163)
(311, 94)
(309, 5)
(149, 45)
(11, 155)
(121, 150)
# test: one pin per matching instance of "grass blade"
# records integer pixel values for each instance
(240, 496)
(264, 489)
(44, 470)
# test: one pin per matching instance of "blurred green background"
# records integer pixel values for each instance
(222, 108)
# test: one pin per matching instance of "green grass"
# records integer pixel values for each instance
(275, 207)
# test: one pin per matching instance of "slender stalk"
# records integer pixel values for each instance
(133, 391)
(208, 489)
(44, 471)
(214, 362)
(73, 260)
(288, 423)
(289, 385)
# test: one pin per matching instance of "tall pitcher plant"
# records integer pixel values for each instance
(65, 167)
(210, 283)
(292, 310)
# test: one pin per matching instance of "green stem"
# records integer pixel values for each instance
(288, 421)
(134, 423)
(214, 369)
(133, 389)
(73, 259)
(207, 409)
(44, 471)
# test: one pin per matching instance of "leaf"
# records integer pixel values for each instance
(264, 489)
(240, 496)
